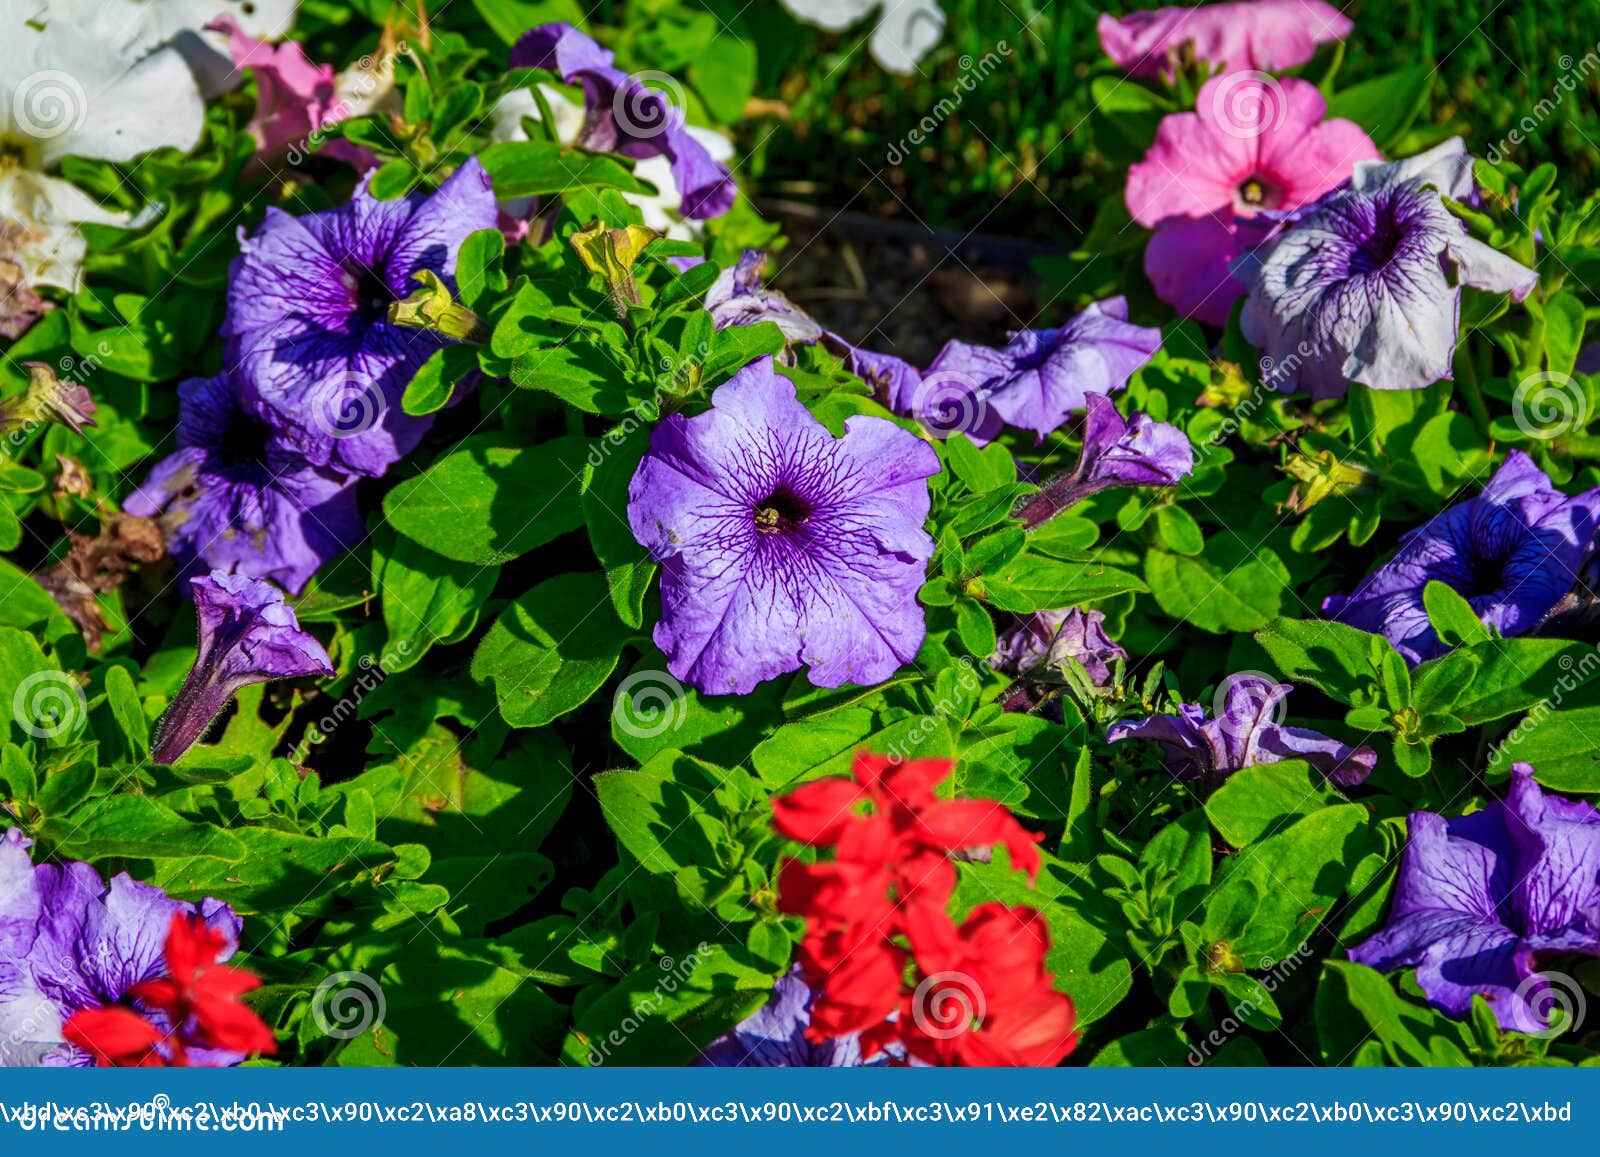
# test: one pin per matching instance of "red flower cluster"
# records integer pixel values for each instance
(198, 998)
(880, 947)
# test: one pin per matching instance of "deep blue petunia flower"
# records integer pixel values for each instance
(1512, 552)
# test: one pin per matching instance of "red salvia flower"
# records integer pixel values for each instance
(877, 913)
(198, 997)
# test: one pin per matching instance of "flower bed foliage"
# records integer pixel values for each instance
(456, 611)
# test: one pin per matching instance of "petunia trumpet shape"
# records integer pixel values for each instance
(238, 497)
(1253, 148)
(1512, 552)
(1483, 899)
(247, 635)
(80, 961)
(1244, 733)
(1247, 35)
(1365, 285)
(1117, 451)
(781, 546)
(624, 116)
(308, 317)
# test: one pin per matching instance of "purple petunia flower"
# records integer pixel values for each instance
(774, 1036)
(781, 546)
(1043, 376)
(1481, 898)
(69, 942)
(1137, 451)
(1051, 637)
(623, 116)
(1512, 552)
(1365, 284)
(236, 496)
(737, 297)
(247, 635)
(307, 320)
(1246, 731)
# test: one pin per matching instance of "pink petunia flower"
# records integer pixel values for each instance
(1253, 145)
(297, 102)
(1247, 35)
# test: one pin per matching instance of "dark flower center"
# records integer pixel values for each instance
(244, 444)
(781, 512)
(1387, 231)
(370, 294)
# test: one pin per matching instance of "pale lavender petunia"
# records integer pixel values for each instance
(782, 546)
(248, 634)
(738, 297)
(1245, 731)
(1052, 637)
(1512, 552)
(624, 116)
(1483, 899)
(70, 942)
(307, 322)
(238, 497)
(1117, 451)
(1043, 376)
(1365, 284)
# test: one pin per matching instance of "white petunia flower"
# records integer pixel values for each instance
(906, 29)
(78, 78)
(660, 209)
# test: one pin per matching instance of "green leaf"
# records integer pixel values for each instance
(1260, 799)
(1563, 746)
(435, 383)
(976, 628)
(1386, 106)
(488, 502)
(1452, 616)
(1179, 531)
(1228, 592)
(539, 168)
(426, 598)
(1331, 656)
(1035, 583)
(551, 650)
